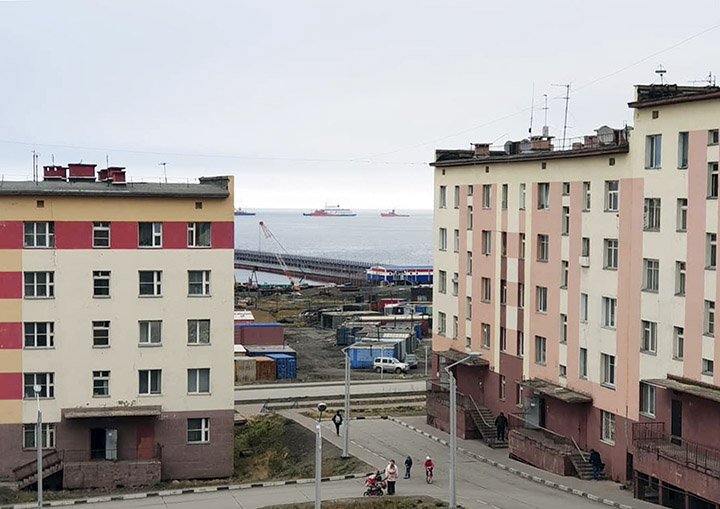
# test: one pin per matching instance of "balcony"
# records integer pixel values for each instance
(651, 437)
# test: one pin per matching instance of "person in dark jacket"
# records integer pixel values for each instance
(597, 464)
(500, 425)
(408, 466)
(337, 421)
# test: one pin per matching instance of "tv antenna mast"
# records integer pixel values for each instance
(567, 104)
(35, 157)
(532, 110)
(164, 165)
(709, 79)
(660, 71)
(546, 128)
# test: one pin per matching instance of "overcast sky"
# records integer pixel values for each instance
(311, 102)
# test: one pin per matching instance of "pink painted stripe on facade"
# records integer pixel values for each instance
(11, 285)
(11, 235)
(485, 267)
(573, 288)
(10, 386)
(11, 337)
(223, 234)
(462, 266)
(73, 234)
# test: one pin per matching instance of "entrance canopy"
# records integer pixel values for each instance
(455, 356)
(115, 411)
(545, 388)
(687, 386)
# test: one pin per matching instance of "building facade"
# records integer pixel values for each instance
(116, 302)
(585, 276)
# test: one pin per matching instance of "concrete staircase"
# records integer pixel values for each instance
(485, 424)
(583, 466)
(26, 474)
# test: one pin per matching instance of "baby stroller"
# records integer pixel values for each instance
(375, 486)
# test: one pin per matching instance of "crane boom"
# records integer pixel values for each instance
(278, 256)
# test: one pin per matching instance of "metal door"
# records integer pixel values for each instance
(111, 442)
(532, 412)
(676, 421)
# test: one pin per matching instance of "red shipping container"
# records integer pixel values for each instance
(259, 334)
(265, 368)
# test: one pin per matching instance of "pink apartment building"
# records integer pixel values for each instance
(585, 275)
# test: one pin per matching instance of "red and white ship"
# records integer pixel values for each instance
(331, 212)
(392, 213)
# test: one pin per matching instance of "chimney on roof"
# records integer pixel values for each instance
(541, 143)
(481, 149)
(54, 173)
(81, 172)
(112, 174)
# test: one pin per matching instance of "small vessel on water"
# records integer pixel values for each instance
(392, 213)
(241, 212)
(335, 211)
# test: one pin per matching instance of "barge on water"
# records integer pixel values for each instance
(409, 274)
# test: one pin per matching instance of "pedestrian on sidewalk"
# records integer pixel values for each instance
(597, 464)
(337, 420)
(500, 425)
(408, 466)
(391, 474)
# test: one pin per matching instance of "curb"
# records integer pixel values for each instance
(180, 491)
(524, 475)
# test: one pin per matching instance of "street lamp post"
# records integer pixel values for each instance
(318, 455)
(453, 425)
(346, 428)
(39, 447)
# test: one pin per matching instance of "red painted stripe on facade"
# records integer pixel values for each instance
(11, 234)
(123, 235)
(10, 385)
(175, 235)
(73, 234)
(10, 335)
(223, 235)
(10, 285)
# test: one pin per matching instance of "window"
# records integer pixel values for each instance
(150, 381)
(198, 430)
(651, 275)
(583, 307)
(649, 337)
(562, 371)
(30, 436)
(607, 368)
(151, 282)
(503, 292)
(443, 239)
(101, 283)
(39, 285)
(543, 195)
(712, 180)
(564, 273)
(681, 222)
(709, 318)
(101, 384)
(679, 278)
(565, 220)
(150, 332)
(46, 381)
(501, 388)
(607, 427)
(198, 380)
(469, 263)
(652, 214)
(521, 295)
(585, 247)
(150, 234)
(101, 333)
(456, 197)
(198, 332)
(708, 367)
(442, 281)
(504, 198)
(486, 242)
(563, 328)
(520, 346)
(542, 247)
(586, 196)
(653, 146)
(683, 144)
(443, 197)
(503, 339)
(541, 299)
(468, 308)
(469, 217)
(540, 350)
(101, 234)
(521, 253)
(522, 197)
(441, 323)
(198, 234)
(455, 327)
(710, 250)
(486, 335)
(712, 137)
(518, 394)
(455, 283)
(468, 341)
(566, 188)
(470, 190)
(582, 363)
(611, 254)
(609, 306)
(678, 342)
(456, 241)
(612, 189)
(503, 243)
(486, 289)
(486, 196)
(39, 234)
(39, 334)
(199, 282)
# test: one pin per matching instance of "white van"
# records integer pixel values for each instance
(389, 364)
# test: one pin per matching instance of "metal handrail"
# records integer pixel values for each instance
(478, 411)
(582, 454)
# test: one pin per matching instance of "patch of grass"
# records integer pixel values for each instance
(371, 503)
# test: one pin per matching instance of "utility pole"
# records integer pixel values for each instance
(164, 165)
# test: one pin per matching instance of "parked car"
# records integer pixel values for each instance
(411, 360)
(389, 364)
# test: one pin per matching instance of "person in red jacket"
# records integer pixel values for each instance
(429, 465)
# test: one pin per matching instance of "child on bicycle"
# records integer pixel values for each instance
(429, 465)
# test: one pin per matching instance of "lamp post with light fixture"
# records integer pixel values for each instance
(346, 420)
(453, 424)
(39, 446)
(318, 455)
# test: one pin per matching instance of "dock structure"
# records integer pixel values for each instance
(310, 267)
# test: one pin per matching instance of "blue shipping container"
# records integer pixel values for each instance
(418, 330)
(285, 365)
(361, 357)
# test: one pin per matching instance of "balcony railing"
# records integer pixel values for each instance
(651, 436)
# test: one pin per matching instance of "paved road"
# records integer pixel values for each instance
(319, 390)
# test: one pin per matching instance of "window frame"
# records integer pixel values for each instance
(442, 197)
(541, 295)
(681, 215)
(101, 383)
(678, 342)
(486, 242)
(199, 234)
(651, 275)
(486, 339)
(195, 327)
(680, 278)
(155, 285)
(99, 326)
(195, 381)
(99, 278)
(607, 427)
(540, 350)
(543, 247)
(48, 436)
(647, 399)
(204, 285)
(683, 149)
(653, 152)
(200, 425)
(47, 385)
(652, 214)
(713, 180)
(710, 251)
(156, 383)
(150, 333)
(48, 285)
(607, 370)
(611, 248)
(442, 281)
(442, 239)
(709, 318)
(612, 195)
(648, 336)
(587, 196)
(543, 196)
(582, 363)
(101, 234)
(31, 235)
(155, 235)
(35, 334)
(609, 312)
(486, 198)
(486, 289)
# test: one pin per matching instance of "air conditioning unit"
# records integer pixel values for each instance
(584, 261)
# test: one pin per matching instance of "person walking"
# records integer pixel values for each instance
(500, 425)
(391, 474)
(337, 421)
(408, 466)
(597, 464)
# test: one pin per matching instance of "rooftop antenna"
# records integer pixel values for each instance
(52, 158)
(107, 161)
(567, 104)
(709, 79)
(164, 165)
(546, 129)
(660, 71)
(35, 156)
(532, 109)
